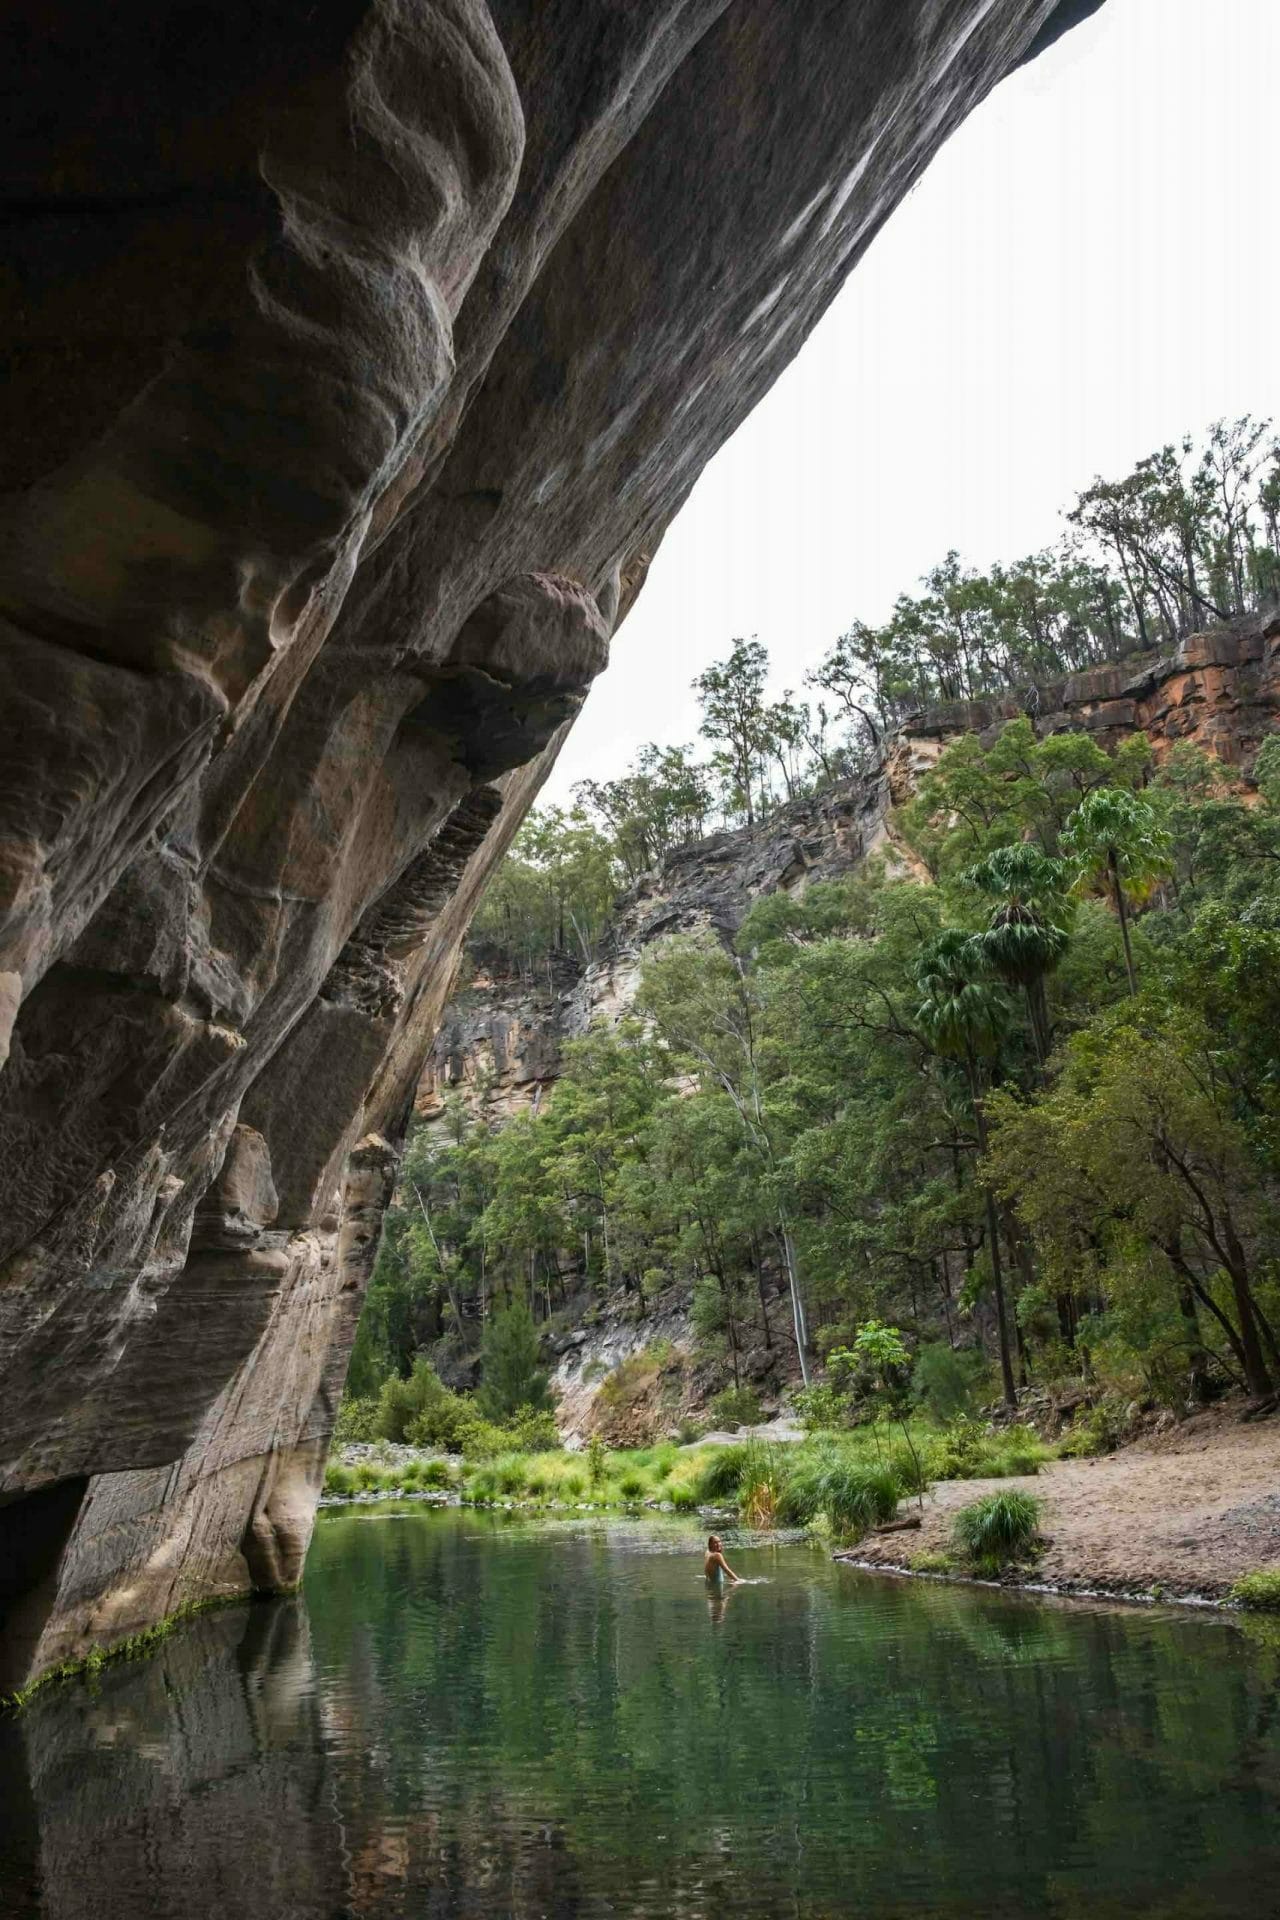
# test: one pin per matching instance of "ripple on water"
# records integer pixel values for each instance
(482, 1715)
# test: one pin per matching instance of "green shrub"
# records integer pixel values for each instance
(800, 1500)
(683, 1497)
(820, 1408)
(857, 1495)
(945, 1381)
(435, 1473)
(998, 1528)
(573, 1486)
(483, 1486)
(760, 1484)
(357, 1420)
(1018, 1457)
(735, 1407)
(633, 1486)
(689, 1432)
(481, 1440)
(509, 1476)
(721, 1474)
(912, 1471)
(513, 1378)
(930, 1560)
(533, 1430)
(535, 1486)
(597, 1460)
(338, 1479)
(367, 1476)
(963, 1451)
(1258, 1592)
(1092, 1432)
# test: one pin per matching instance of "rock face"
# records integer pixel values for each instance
(357, 359)
(501, 1038)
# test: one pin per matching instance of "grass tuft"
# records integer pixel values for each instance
(999, 1528)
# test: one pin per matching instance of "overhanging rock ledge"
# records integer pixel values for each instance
(356, 363)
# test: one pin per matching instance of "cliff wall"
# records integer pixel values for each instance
(501, 1038)
(357, 358)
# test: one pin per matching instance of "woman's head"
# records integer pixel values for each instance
(713, 1543)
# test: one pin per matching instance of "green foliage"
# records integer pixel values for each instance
(1258, 1592)
(533, 1430)
(735, 1407)
(1026, 1109)
(821, 1406)
(512, 1376)
(856, 1496)
(932, 1560)
(1094, 1431)
(357, 1420)
(339, 1480)
(947, 1381)
(1000, 1528)
(721, 1475)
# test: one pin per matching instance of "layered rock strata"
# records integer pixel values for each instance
(357, 359)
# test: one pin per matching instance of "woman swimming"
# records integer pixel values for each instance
(715, 1566)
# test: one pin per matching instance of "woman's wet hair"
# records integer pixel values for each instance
(713, 1543)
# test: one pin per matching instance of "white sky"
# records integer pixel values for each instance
(1090, 267)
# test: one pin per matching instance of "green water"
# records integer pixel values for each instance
(480, 1716)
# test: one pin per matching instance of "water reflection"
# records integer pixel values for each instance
(478, 1719)
(191, 1783)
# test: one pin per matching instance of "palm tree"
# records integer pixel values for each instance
(963, 1016)
(1117, 846)
(1024, 938)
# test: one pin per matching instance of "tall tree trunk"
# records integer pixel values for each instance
(1256, 1373)
(758, 1264)
(1122, 912)
(1038, 1012)
(993, 1234)
(797, 1303)
(1198, 1376)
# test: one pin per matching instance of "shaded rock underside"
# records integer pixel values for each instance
(355, 366)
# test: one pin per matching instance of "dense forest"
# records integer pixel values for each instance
(1188, 540)
(1022, 1102)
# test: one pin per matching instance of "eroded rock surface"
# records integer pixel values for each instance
(357, 359)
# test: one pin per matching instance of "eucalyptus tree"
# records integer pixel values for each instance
(734, 720)
(706, 1008)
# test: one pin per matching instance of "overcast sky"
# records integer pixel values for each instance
(1088, 269)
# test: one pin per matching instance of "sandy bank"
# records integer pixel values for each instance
(1188, 1512)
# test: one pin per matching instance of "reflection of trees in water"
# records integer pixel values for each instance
(479, 1723)
(992, 1744)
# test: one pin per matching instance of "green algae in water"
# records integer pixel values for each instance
(483, 1715)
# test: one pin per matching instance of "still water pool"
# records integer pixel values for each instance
(478, 1715)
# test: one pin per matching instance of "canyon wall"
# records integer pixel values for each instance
(501, 1036)
(357, 358)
